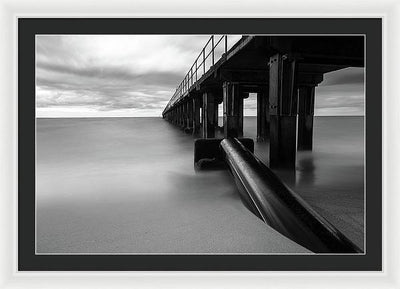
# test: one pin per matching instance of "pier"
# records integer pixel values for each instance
(283, 71)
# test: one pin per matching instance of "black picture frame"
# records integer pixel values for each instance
(29, 27)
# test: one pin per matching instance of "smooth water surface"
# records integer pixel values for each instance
(331, 176)
(127, 185)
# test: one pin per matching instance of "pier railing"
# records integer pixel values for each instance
(215, 48)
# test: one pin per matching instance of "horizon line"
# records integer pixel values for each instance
(350, 115)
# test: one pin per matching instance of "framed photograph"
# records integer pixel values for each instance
(248, 148)
(199, 144)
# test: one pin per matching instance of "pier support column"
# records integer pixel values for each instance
(216, 114)
(283, 112)
(242, 96)
(208, 115)
(218, 98)
(176, 116)
(196, 115)
(306, 117)
(184, 115)
(179, 111)
(263, 114)
(189, 116)
(233, 110)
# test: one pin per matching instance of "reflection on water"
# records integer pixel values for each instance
(306, 169)
(128, 185)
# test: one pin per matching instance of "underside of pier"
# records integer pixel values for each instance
(282, 70)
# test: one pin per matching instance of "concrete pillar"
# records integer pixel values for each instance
(188, 116)
(208, 115)
(178, 115)
(216, 114)
(283, 112)
(189, 121)
(196, 115)
(218, 98)
(233, 110)
(184, 115)
(263, 114)
(306, 117)
(242, 96)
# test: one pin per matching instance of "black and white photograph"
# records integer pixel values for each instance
(205, 144)
(211, 144)
(199, 145)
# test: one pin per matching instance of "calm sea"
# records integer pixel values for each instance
(127, 185)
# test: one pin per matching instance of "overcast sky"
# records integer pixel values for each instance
(125, 75)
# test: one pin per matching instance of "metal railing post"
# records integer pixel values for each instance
(196, 70)
(204, 60)
(226, 44)
(212, 48)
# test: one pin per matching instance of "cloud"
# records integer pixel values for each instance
(341, 93)
(113, 72)
(125, 74)
(351, 75)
